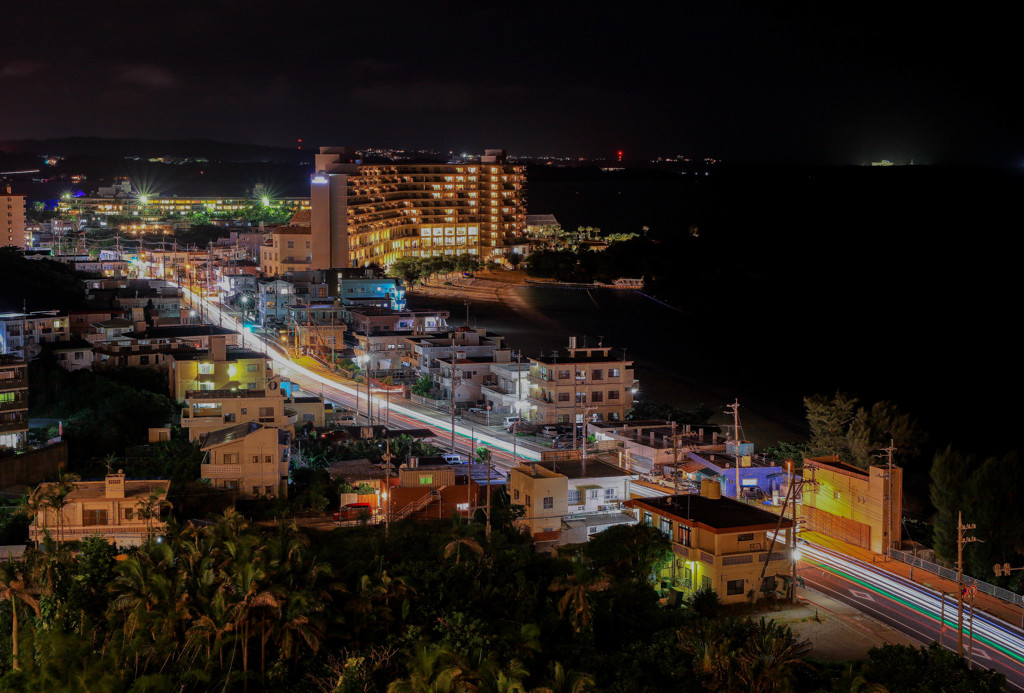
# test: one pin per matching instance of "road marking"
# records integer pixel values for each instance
(861, 595)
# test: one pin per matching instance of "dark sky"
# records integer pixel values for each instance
(753, 81)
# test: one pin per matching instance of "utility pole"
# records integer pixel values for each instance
(675, 458)
(452, 398)
(387, 488)
(792, 530)
(735, 409)
(487, 527)
(961, 539)
(888, 451)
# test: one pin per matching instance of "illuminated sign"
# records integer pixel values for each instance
(320, 178)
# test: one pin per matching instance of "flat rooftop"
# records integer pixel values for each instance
(592, 469)
(715, 513)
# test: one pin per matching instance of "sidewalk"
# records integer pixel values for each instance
(1009, 613)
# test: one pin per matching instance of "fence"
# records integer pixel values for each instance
(950, 574)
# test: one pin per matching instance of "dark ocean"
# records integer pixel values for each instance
(887, 283)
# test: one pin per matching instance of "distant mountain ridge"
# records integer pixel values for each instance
(149, 148)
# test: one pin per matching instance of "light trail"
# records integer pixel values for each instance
(287, 367)
(996, 634)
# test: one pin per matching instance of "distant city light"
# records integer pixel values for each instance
(144, 199)
(266, 201)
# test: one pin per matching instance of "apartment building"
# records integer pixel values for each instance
(363, 213)
(249, 459)
(218, 368)
(124, 512)
(22, 334)
(567, 499)
(211, 410)
(717, 543)
(288, 249)
(580, 384)
(12, 219)
(13, 402)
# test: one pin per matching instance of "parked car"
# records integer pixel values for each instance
(352, 511)
(453, 458)
(509, 421)
(477, 410)
(549, 431)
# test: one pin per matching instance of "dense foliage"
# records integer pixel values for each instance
(38, 284)
(421, 607)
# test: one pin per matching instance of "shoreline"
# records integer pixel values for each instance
(501, 306)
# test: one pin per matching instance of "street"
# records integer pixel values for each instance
(913, 609)
(401, 414)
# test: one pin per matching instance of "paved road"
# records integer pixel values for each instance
(914, 610)
(400, 414)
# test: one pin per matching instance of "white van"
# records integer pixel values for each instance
(452, 458)
(510, 421)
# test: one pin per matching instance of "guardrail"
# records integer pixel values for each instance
(950, 574)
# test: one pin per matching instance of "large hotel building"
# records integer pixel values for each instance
(376, 213)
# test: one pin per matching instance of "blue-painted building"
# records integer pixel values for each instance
(754, 472)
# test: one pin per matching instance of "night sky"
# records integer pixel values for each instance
(797, 82)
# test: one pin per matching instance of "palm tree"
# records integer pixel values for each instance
(431, 670)
(31, 504)
(576, 600)
(454, 547)
(150, 508)
(15, 586)
(56, 496)
(562, 681)
(708, 643)
(767, 659)
(250, 599)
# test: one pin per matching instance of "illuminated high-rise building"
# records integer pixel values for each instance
(376, 213)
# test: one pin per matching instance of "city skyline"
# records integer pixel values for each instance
(736, 81)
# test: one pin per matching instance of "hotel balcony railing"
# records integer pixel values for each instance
(18, 404)
(12, 426)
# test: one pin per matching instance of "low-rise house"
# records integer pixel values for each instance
(504, 389)
(74, 354)
(409, 321)
(717, 543)
(467, 343)
(248, 459)
(272, 301)
(568, 500)
(124, 512)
